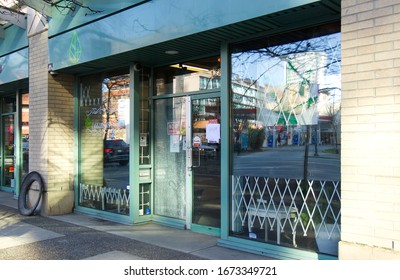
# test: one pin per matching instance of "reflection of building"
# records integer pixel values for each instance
(286, 108)
(256, 105)
(305, 68)
(201, 80)
(246, 96)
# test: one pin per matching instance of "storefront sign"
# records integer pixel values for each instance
(196, 141)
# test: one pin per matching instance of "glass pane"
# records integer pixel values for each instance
(8, 150)
(104, 142)
(9, 104)
(206, 126)
(188, 77)
(286, 127)
(25, 134)
(144, 117)
(170, 157)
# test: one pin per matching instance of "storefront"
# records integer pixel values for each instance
(14, 108)
(212, 116)
(14, 163)
(159, 143)
(204, 124)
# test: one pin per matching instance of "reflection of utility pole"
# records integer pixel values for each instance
(305, 173)
(107, 109)
(316, 142)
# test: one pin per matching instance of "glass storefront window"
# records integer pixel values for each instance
(8, 123)
(104, 119)
(25, 134)
(8, 141)
(144, 118)
(286, 141)
(191, 76)
(170, 159)
(9, 104)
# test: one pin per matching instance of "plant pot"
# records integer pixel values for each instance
(327, 238)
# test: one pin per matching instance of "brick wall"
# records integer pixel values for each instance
(370, 129)
(38, 91)
(51, 128)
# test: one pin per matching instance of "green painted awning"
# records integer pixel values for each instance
(140, 40)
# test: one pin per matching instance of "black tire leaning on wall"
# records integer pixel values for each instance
(23, 208)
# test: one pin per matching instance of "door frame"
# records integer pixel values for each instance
(17, 145)
(186, 222)
(224, 93)
(189, 165)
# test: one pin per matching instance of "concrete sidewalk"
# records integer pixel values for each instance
(76, 236)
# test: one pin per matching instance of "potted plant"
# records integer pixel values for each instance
(256, 137)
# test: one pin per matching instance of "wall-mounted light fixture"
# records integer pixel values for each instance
(137, 66)
(51, 70)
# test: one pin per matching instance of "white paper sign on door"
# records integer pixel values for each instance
(213, 132)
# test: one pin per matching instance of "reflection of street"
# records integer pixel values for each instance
(206, 188)
(207, 200)
(288, 162)
(116, 176)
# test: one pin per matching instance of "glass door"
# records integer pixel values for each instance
(187, 161)
(204, 161)
(185, 137)
(8, 149)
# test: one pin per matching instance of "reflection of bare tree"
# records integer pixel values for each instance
(333, 112)
(72, 5)
(63, 7)
(284, 83)
(111, 84)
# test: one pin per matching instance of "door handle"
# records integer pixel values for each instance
(198, 159)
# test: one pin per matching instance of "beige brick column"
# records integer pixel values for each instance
(51, 128)
(370, 130)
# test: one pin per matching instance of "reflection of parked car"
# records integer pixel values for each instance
(116, 150)
(208, 150)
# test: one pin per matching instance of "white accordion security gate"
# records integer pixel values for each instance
(109, 198)
(289, 212)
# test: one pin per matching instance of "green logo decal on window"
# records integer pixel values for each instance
(88, 122)
(75, 49)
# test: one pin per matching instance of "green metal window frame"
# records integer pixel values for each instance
(17, 141)
(124, 219)
(226, 239)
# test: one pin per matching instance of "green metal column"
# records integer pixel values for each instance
(77, 159)
(134, 143)
(225, 140)
(17, 142)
